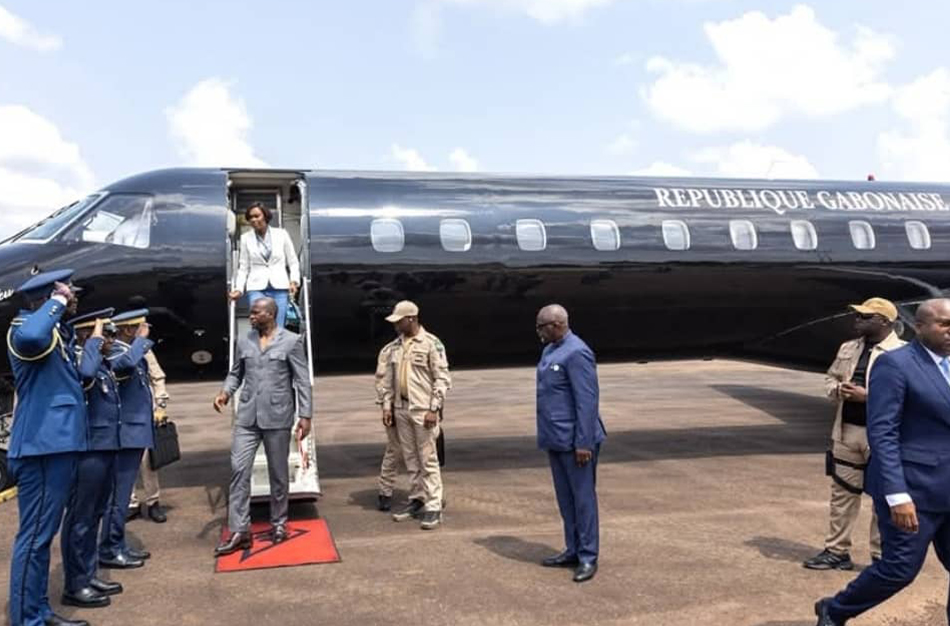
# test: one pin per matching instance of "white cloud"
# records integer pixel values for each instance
(18, 31)
(462, 161)
(39, 170)
(661, 168)
(624, 144)
(921, 150)
(746, 159)
(544, 11)
(210, 126)
(409, 159)
(768, 69)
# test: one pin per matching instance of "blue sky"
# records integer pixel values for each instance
(91, 92)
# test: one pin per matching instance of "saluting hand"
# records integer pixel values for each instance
(97, 329)
(143, 330)
(582, 457)
(220, 401)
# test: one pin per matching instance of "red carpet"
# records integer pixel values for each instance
(309, 542)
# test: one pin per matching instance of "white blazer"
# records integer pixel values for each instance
(254, 273)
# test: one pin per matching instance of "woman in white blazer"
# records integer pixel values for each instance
(267, 253)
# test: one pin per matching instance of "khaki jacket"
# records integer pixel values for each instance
(428, 377)
(156, 377)
(843, 369)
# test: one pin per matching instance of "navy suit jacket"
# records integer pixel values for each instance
(568, 397)
(102, 397)
(50, 414)
(135, 393)
(909, 429)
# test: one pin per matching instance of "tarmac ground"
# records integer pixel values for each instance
(711, 493)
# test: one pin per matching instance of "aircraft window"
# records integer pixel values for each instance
(862, 235)
(387, 235)
(676, 234)
(531, 235)
(804, 235)
(917, 235)
(456, 235)
(122, 220)
(605, 235)
(48, 227)
(743, 235)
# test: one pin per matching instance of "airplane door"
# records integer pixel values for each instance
(285, 195)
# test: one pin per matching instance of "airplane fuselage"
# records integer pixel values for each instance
(648, 268)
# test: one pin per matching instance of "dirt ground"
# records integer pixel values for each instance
(711, 494)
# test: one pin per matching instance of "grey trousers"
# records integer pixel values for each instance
(244, 443)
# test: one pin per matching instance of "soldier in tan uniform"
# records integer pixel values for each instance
(392, 455)
(412, 380)
(149, 477)
(846, 385)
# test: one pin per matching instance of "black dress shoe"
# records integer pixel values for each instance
(105, 587)
(120, 561)
(138, 555)
(821, 610)
(584, 572)
(156, 513)
(384, 503)
(561, 560)
(132, 513)
(279, 533)
(86, 598)
(237, 541)
(56, 620)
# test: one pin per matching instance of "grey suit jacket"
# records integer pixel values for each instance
(270, 380)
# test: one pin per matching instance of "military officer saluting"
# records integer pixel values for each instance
(49, 429)
(135, 435)
(95, 470)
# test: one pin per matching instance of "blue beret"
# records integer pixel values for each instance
(92, 316)
(42, 284)
(136, 316)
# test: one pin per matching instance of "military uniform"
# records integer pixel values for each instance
(849, 445)
(392, 455)
(135, 435)
(94, 478)
(414, 380)
(149, 478)
(49, 429)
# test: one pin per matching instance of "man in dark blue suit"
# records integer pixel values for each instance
(909, 472)
(49, 430)
(571, 431)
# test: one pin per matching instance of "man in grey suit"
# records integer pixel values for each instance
(272, 365)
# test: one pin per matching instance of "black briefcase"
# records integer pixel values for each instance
(166, 450)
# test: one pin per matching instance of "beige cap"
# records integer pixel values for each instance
(403, 309)
(879, 306)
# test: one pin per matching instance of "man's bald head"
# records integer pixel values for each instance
(551, 323)
(932, 322)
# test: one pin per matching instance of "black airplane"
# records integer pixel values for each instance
(649, 268)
